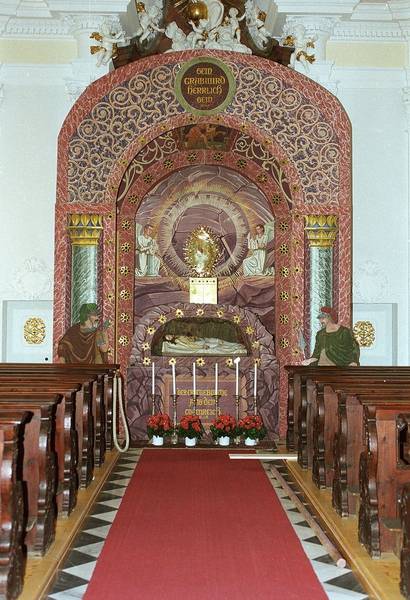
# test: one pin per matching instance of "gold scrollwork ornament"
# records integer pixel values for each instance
(365, 333)
(34, 330)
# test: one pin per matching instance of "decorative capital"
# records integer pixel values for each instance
(85, 229)
(321, 230)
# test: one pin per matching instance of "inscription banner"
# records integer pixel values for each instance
(205, 86)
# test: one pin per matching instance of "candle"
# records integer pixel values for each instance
(194, 377)
(174, 381)
(216, 379)
(237, 361)
(153, 378)
(255, 380)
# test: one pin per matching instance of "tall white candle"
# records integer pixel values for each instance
(255, 380)
(174, 380)
(237, 361)
(153, 378)
(216, 379)
(194, 377)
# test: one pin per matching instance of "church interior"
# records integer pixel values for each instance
(204, 288)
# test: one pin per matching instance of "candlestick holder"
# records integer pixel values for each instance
(216, 401)
(255, 405)
(194, 399)
(237, 403)
(156, 403)
(174, 437)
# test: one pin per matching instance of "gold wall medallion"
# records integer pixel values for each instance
(365, 333)
(34, 330)
(202, 251)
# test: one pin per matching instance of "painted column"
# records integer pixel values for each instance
(321, 232)
(84, 231)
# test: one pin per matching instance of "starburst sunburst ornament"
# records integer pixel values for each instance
(172, 361)
(150, 330)
(145, 346)
(179, 313)
(162, 319)
(249, 330)
(200, 362)
(199, 312)
(202, 251)
(237, 319)
(146, 361)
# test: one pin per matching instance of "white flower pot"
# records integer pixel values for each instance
(250, 442)
(157, 440)
(224, 440)
(190, 442)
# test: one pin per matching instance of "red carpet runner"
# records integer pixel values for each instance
(194, 525)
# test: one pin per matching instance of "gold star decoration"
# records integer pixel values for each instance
(200, 362)
(146, 361)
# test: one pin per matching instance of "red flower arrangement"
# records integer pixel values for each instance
(252, 427)
(159, 425)
(224, 425)
(190, 426)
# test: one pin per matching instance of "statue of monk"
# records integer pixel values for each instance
(84, 342)
(335, 344)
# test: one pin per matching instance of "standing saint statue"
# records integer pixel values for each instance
(255, 264)
(148, 261)
(85, 342)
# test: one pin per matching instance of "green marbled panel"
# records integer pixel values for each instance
(321, 286)
(84, 279)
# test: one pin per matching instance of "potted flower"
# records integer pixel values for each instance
(252, 428)
(158, 426)
(191, 428)
(223, 428)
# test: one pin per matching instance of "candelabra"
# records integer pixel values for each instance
(174, 437)
(237, 402)
(194, 397)
(216, 401)
(156, 403)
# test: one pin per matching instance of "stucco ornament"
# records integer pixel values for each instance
(110, 35)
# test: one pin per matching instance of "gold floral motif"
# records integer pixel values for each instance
(229, 362)
(125, 317)
(297, 270)
(365, 333)
(249, 330)
(199, 312)
(257, 361)
(168, 164)
(295, 351)
(124, 270)
(284, 343)
(237, 319)
(146, 361)
(126, 224)
(284, 249)
(148, 178)
(284, 272)
(172, 361)
(255, 345)
(109, 269)
(145, 346)
(284, 319)
(218, 156)
(150, 330)
(200, 362)
(192, 157)
(162, 319)
(34, 330)
(283, 226)
(125, 294)
(123, 340)
(241, 163)
(126, 247)
(262, 177)
(276, 199)
(179, 313)
(284, 295)
(220, 313)
(133, 199)
(110, 296)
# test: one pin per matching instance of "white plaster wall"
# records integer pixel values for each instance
(373, 100)
(34, 106)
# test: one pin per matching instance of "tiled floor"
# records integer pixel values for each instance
(71, 584)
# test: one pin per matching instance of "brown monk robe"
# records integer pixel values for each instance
(84, 342)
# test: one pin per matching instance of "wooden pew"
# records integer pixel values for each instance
(40, 466)
(405, 546)
(13, 503)
(105, 377)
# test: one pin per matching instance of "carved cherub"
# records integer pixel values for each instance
(199, 34)
(108, 39)
(148, 22)
(234, 23)
(255, 19)
(303, 47)
(178, 37)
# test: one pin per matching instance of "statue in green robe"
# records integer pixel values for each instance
(335, 344)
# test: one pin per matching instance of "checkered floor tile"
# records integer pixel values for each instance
(72, 581)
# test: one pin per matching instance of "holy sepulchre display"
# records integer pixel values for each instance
(208, 230)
